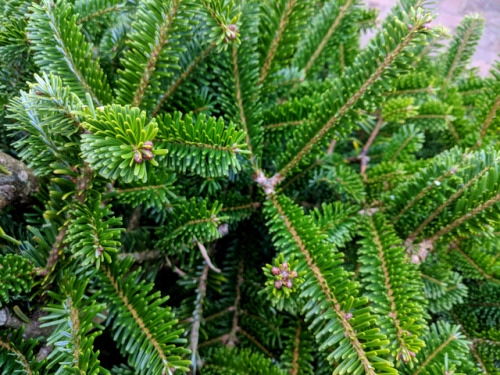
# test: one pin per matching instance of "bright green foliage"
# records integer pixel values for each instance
(398, 109)
(62, 48)
(15, 277)
(220, 14)
(389, 48)
(333, 309)
(202, 146)
(92, 234)
(328, 39)
(280, 27)
(73, 316)
(181, 146)
(462, 47)
(140, 320)
(125, 129)
(394, 287)
(45, 116)
(153, 48)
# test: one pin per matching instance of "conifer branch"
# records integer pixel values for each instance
(472, 346)
(432, 279)
(256, 342)
(465, 217)
(239, 99)
(100, 12)
(483, 273)
(330, 297)
(425, 191)
(348, 104)
(231, 337)
(19, 355)
(286, 123)
(54, 253)
(276, 40)
(489, 118)
(461, 47)
(198, 315)
(387, 283)
(419, 369)
(155, 53)
(328, 35)
(182, 78)
(114, 282)
(363, 155)
(295, 362)
(445, 204)
(242, 207)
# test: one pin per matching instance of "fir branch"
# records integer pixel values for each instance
(423, 192)
(286, 123)
(100, 12)
(61, 47)
(381, 68)
(182, 78)
(276, 40)
(472, 347)
(147, 318)
(464, 42)
(256, 342)
(487, 276)
(239, 99)
(327, 292)
(154, 55)
(198, 315)
(363, 155)
(489, 118)
(231, 337)
(295, 363)
(54, 253)
(20, 357)
(420, 368)
(453, 197)
(465, 217)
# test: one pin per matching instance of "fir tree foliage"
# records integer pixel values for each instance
(238, 187)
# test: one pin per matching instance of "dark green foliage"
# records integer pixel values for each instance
(15, 277)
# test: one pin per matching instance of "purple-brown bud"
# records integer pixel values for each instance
(38, 93)
(148, 145)
(138, 157)
(284, 265)
(348, 316)
(147, 154)
(278, 284)
(289, 284)
(99, 251)
(293, 274)
(275, 271)
(285, 274)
